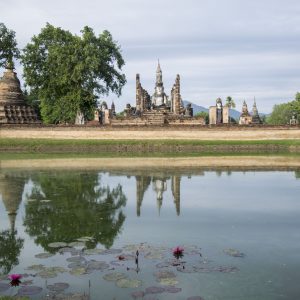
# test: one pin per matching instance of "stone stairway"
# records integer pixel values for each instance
(155, 118)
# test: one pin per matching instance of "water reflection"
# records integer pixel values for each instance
(70, 205)
(11, 188)
(159, 186)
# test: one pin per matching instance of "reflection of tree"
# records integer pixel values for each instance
(297, 174)
(71, 205)
(10, 248)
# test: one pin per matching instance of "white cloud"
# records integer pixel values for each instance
(225, 47)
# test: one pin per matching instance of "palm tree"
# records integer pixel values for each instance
(230, 104)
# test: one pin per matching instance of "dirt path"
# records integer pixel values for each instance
(206, 134)
(235, 162)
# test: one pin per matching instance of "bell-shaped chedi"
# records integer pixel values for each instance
(11, 190)
(13, 108)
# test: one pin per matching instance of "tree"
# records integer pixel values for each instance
(10, 248)
(79, 206)
(68, 73)
(204, 115)
(281, 114)
(8, 46)
(230, 104)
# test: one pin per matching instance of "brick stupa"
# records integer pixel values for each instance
(13, 109)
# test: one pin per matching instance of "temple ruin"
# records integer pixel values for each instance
(13, 109)
(158, 109)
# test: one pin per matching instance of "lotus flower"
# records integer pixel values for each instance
(178, 252)
(15, 279)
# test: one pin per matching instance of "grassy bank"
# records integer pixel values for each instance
(45, 148)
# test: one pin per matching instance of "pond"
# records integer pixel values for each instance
(111, 234)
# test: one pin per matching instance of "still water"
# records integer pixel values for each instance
(240, 232)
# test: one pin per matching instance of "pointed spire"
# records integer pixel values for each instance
(158, 66)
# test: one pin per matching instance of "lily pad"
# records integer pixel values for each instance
(78, 271)
(154, 290)
(77, 264)
(128, 283)
(164, 274)
(4, 287)
(93, 251)
(114, 276)
(57, 245)
(186, 269)
(75, 259)
(97, 265)
(36, 267)
(227, 269)
(168, 281)
(85, 239)
(233, 252)
(76, 244)
(172, 289)
(43, 255)
(29, 290)
(47, 274)
(154, 255)
(112, 251)
(137, 294)
(195, 298)
(58, 286)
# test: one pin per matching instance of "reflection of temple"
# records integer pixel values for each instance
(11, 190)
(159, 185)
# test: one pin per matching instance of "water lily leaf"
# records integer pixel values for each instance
(115, 276)
(77, 264)
(29, 290)
(45, 201)
(76, 244)
(93, 251)
(78, 271)
(112, 251)
(154, 290)
(227, 269)
(43, 255)
(47, 274)
(137, 294)
(186, 269)
(26, 282)
(57, 245)
(36, 267)
(4, 287)
(233, 252)
(168, 281)
(76, 259)
(128, 283)
(195, 298)
(164, 274)
(97, 265)
(172, 289)
(58, 286)
(116, 263)
(85, 239)
(154, 255)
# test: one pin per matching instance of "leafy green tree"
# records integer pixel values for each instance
(8, 46)
(204, 115)
(230, 102)
(68, 73)
(79, 206)
(295, 106)
(281, 114)
(10, 248)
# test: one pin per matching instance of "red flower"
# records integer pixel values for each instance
(15, 279)
(178, 252)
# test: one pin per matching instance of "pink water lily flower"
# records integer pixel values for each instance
(178, 252)
(15, 279)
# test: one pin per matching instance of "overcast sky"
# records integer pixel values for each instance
(240, 48)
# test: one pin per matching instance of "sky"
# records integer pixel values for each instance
(220, 48)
